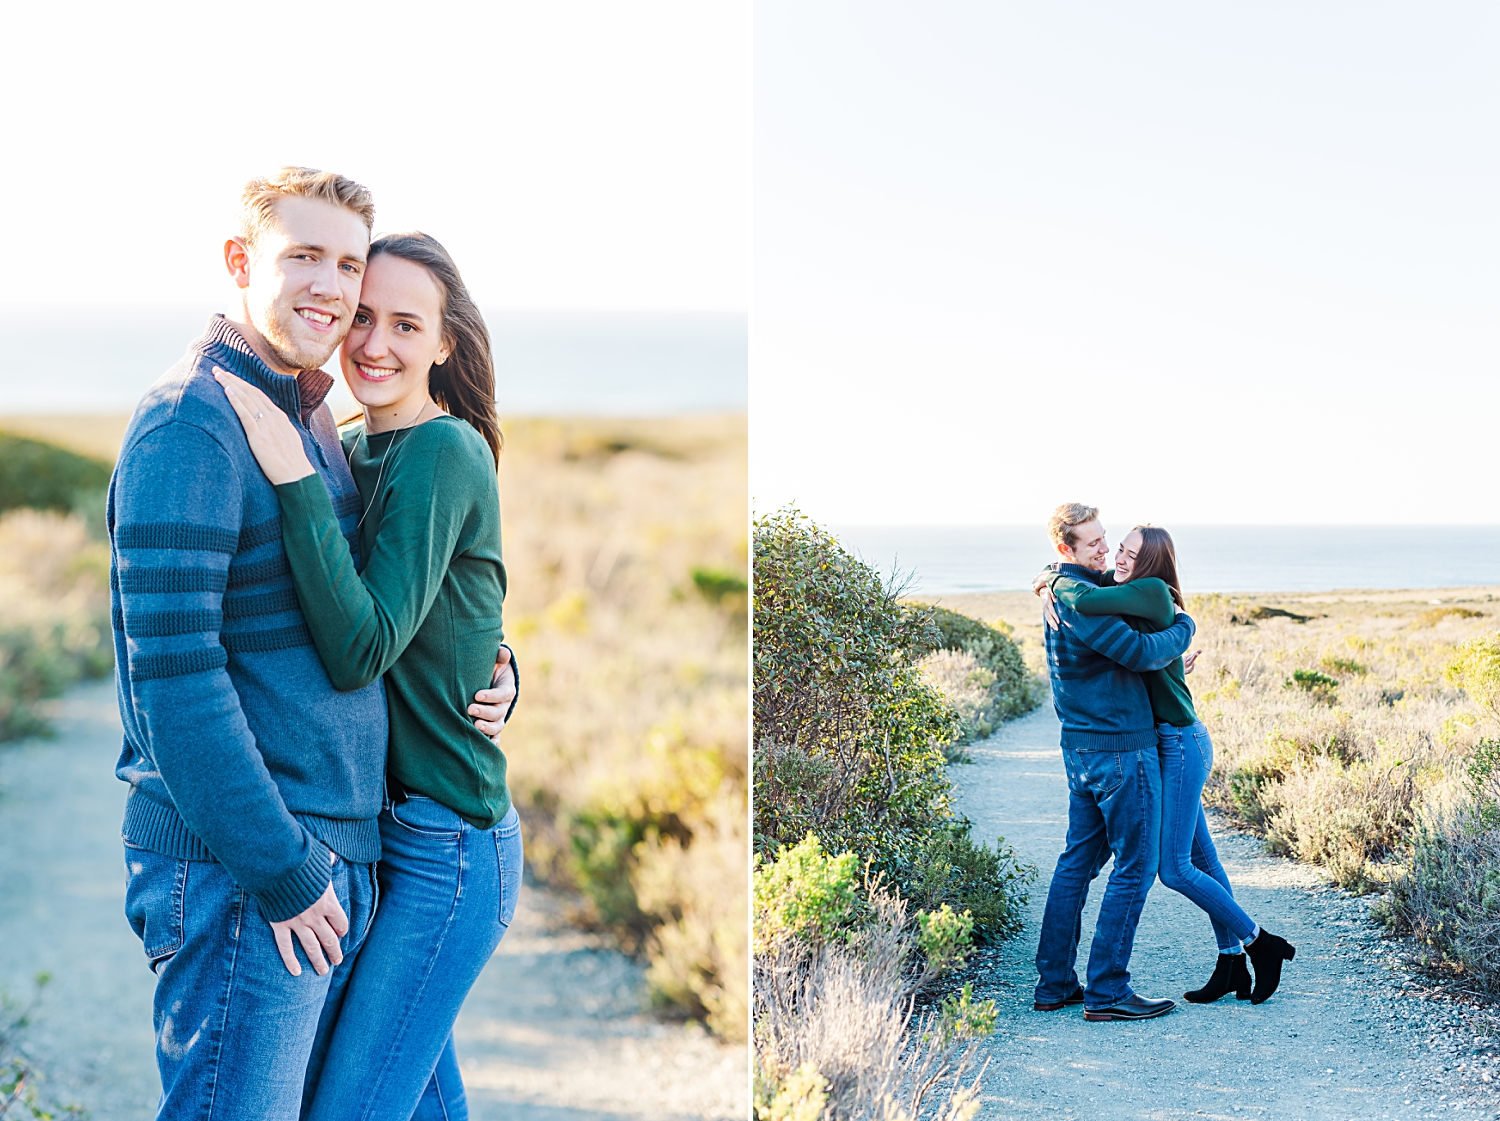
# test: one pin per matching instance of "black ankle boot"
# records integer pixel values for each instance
(1230, 974)
(1267, 953)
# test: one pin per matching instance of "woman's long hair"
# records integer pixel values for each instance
(1157, 557)
(464, 385)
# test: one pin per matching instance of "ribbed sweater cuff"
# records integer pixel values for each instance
(296, 892)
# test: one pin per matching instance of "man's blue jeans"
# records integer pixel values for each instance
(1189, 861)
(1114, 809)
(447, 894)
(235, 1032)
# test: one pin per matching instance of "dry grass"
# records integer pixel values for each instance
(1333, 734)
(629, 750)
(98, 436)
(835, 1034)
(54, 612)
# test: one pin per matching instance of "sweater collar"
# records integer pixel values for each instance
(1078, 572)
(297, 396)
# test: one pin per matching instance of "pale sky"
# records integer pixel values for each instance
(570, 155)
(1204, 263)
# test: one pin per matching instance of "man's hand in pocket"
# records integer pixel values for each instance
(319, 929)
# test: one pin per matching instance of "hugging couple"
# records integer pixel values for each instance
(320, 845)
(1137, 757)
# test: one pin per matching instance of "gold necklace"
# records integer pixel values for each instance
(379, 475)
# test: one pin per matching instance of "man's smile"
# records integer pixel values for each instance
(320, 320)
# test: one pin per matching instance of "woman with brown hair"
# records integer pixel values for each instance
(1144, 589)
(423, 612)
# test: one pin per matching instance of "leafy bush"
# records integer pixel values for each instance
(1346, 817)
(804, 893)
(989, 884)
(1447, 895)
(849, 736)
(1343, 667)
(1319, 685)
(718, 586)
(1476, 670)
(945, 937)
(43, 476)
(1447, 892)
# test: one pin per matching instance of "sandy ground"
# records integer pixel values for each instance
(1352, 1033)
(554, 1031)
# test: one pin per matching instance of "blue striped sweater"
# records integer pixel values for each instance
(1095, 663)
(237, 746)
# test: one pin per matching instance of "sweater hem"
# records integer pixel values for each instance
(159, 828)
(1108, 741)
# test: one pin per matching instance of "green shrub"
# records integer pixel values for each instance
(1319, 685)
(1476, 670)
(804, 893)
(46, 477)
(803, 1096)
(945, 937)
(1346, 667)
(849, 736)
(987, 884)
(962, 1018)
(1447, 896)
(841, 710)
(718, 586)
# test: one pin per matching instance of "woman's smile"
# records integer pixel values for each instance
(376, 373)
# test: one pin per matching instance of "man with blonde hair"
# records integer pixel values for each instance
(1114, 784)
(250, 827)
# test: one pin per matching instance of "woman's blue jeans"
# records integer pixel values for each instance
(1189, 862)
(447, 894)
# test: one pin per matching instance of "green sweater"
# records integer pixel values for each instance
(1147, 605)
(424, 610)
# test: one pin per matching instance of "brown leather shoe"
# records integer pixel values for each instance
(1053, 1006)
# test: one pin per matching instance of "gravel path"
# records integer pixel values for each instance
(1350, 1034)
(552, 1032)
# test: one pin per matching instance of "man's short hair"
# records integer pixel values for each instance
(1063, 524)
(259, 198)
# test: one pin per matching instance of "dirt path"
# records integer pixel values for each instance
(1341, 1039)
(552, 1032)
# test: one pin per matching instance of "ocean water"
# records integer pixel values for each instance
(100, 360)
(1211, 558)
